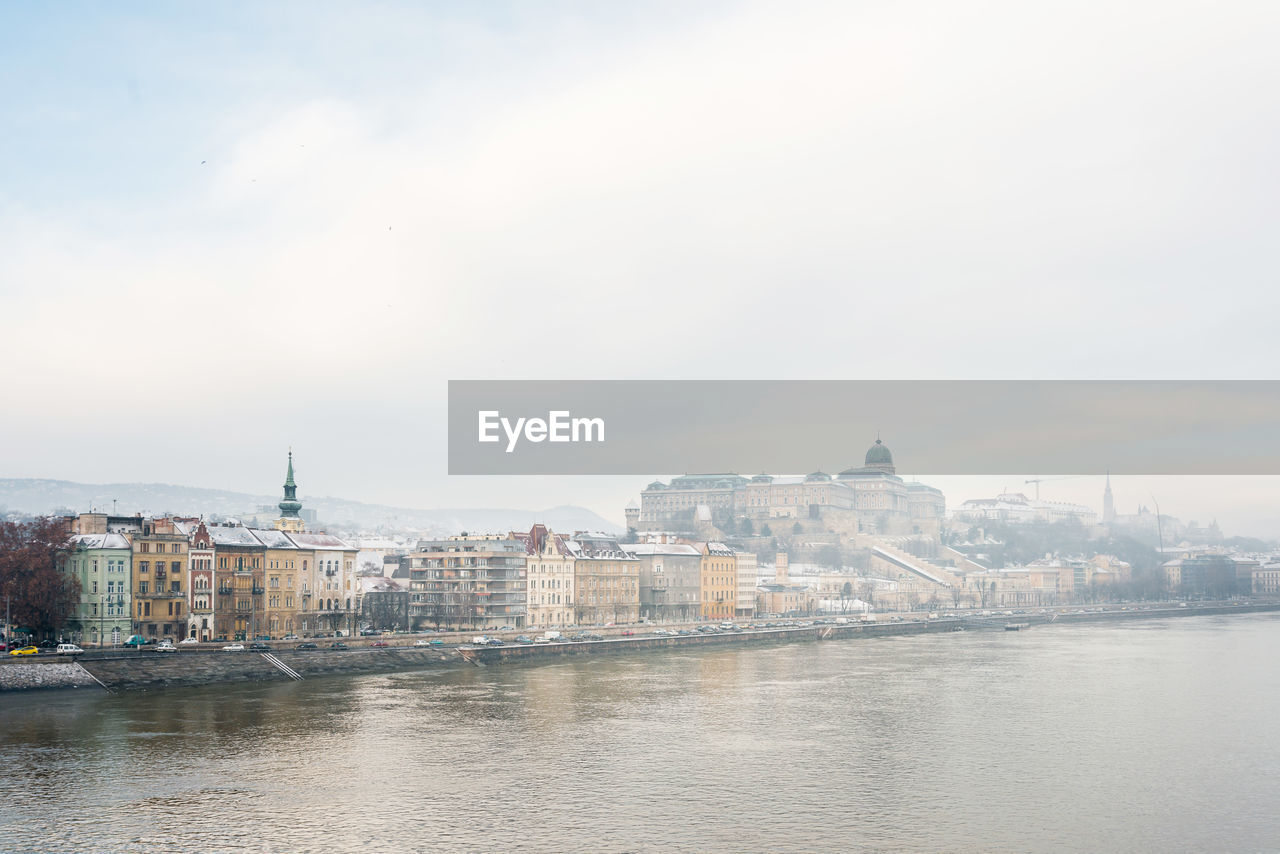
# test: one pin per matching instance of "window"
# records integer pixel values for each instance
(142, 588)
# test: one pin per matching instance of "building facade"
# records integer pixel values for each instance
(160, 580)
(606, 581)
(871, 498)
(719, 582)
(549, 565)
(670, 578)
(102, 562)
(468, 580)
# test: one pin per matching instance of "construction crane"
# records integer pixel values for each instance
(1039, 480)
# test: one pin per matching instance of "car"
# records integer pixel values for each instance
(47, 644)
(307, 645)
(338, 645)
(24, 650)
(259, 646)
(524, 639)
(422, 642)
(290, 638)
(135, 641)
(628, 633)
(494, 642)
(188, 641)
(379, 644)
(542, 639)
(69, 649)
(367, 633)
(166, 646)
(507, 629)
(233, 647)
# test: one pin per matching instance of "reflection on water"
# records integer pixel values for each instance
(1152, 735)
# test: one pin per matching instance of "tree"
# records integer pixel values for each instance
(846, 593)
(867, 592)
(746, 528)
(797, 528)
(830, 557)
(41, 596)
(765, 530)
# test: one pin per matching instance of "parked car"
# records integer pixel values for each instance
(338, 645)
(524, 639)
(307, 645)
(188, 641)
(47, 645)
(290, 638)
(259, 646)
(494, 642)
(379, 643)
(135, 641)
(233, 647)
(422, 642)
(166, 646)
(24, 650)
(69, 649)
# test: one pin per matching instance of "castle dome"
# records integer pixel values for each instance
(878, 455)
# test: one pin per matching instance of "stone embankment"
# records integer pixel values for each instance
(131, 670)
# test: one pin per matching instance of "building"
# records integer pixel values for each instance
(282, 566)
(871, 498)
(160, 580)
(102, 562)
(1014, 508)
(670, 578)
(200, 583)
(549, 572)
(476, 580)
(239, 582)
(606, 581)
(782, 595)
(719, 582)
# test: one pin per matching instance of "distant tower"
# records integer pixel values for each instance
(633, 515)
(1108, 503)
(289, 519)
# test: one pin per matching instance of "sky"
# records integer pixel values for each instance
(230, 229)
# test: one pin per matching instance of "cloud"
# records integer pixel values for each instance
(843, 190)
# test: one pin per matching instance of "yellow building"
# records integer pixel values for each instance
(549, 564)
(606, 581)
(159, 580)
(719, 587)
(282, 565)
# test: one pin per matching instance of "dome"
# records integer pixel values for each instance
(878, 455)
(657, 484)
(762, 478)
(817, 476)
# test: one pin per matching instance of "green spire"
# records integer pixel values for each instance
(290, 506)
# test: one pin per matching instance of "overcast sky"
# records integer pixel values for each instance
(230, 228)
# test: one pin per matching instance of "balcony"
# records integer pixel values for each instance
(160, 574)
(225, 591)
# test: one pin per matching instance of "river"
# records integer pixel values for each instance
(1139, 736)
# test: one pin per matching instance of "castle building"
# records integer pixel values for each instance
(871, 498)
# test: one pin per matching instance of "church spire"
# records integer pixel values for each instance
(290, 506)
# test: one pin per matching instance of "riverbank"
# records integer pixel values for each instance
(141, 670)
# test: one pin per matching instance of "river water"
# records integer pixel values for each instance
(1141, 736)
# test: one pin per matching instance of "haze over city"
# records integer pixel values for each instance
(252, 226)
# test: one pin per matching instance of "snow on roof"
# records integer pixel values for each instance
(661, 549)
(273, 539)
(320, 541)
(233, 536)
(100, 541)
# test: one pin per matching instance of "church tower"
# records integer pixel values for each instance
(289, 519)
(1108, 503)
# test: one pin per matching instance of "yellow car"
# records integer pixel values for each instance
(24, 650)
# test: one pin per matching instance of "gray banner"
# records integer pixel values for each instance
(645, 427)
